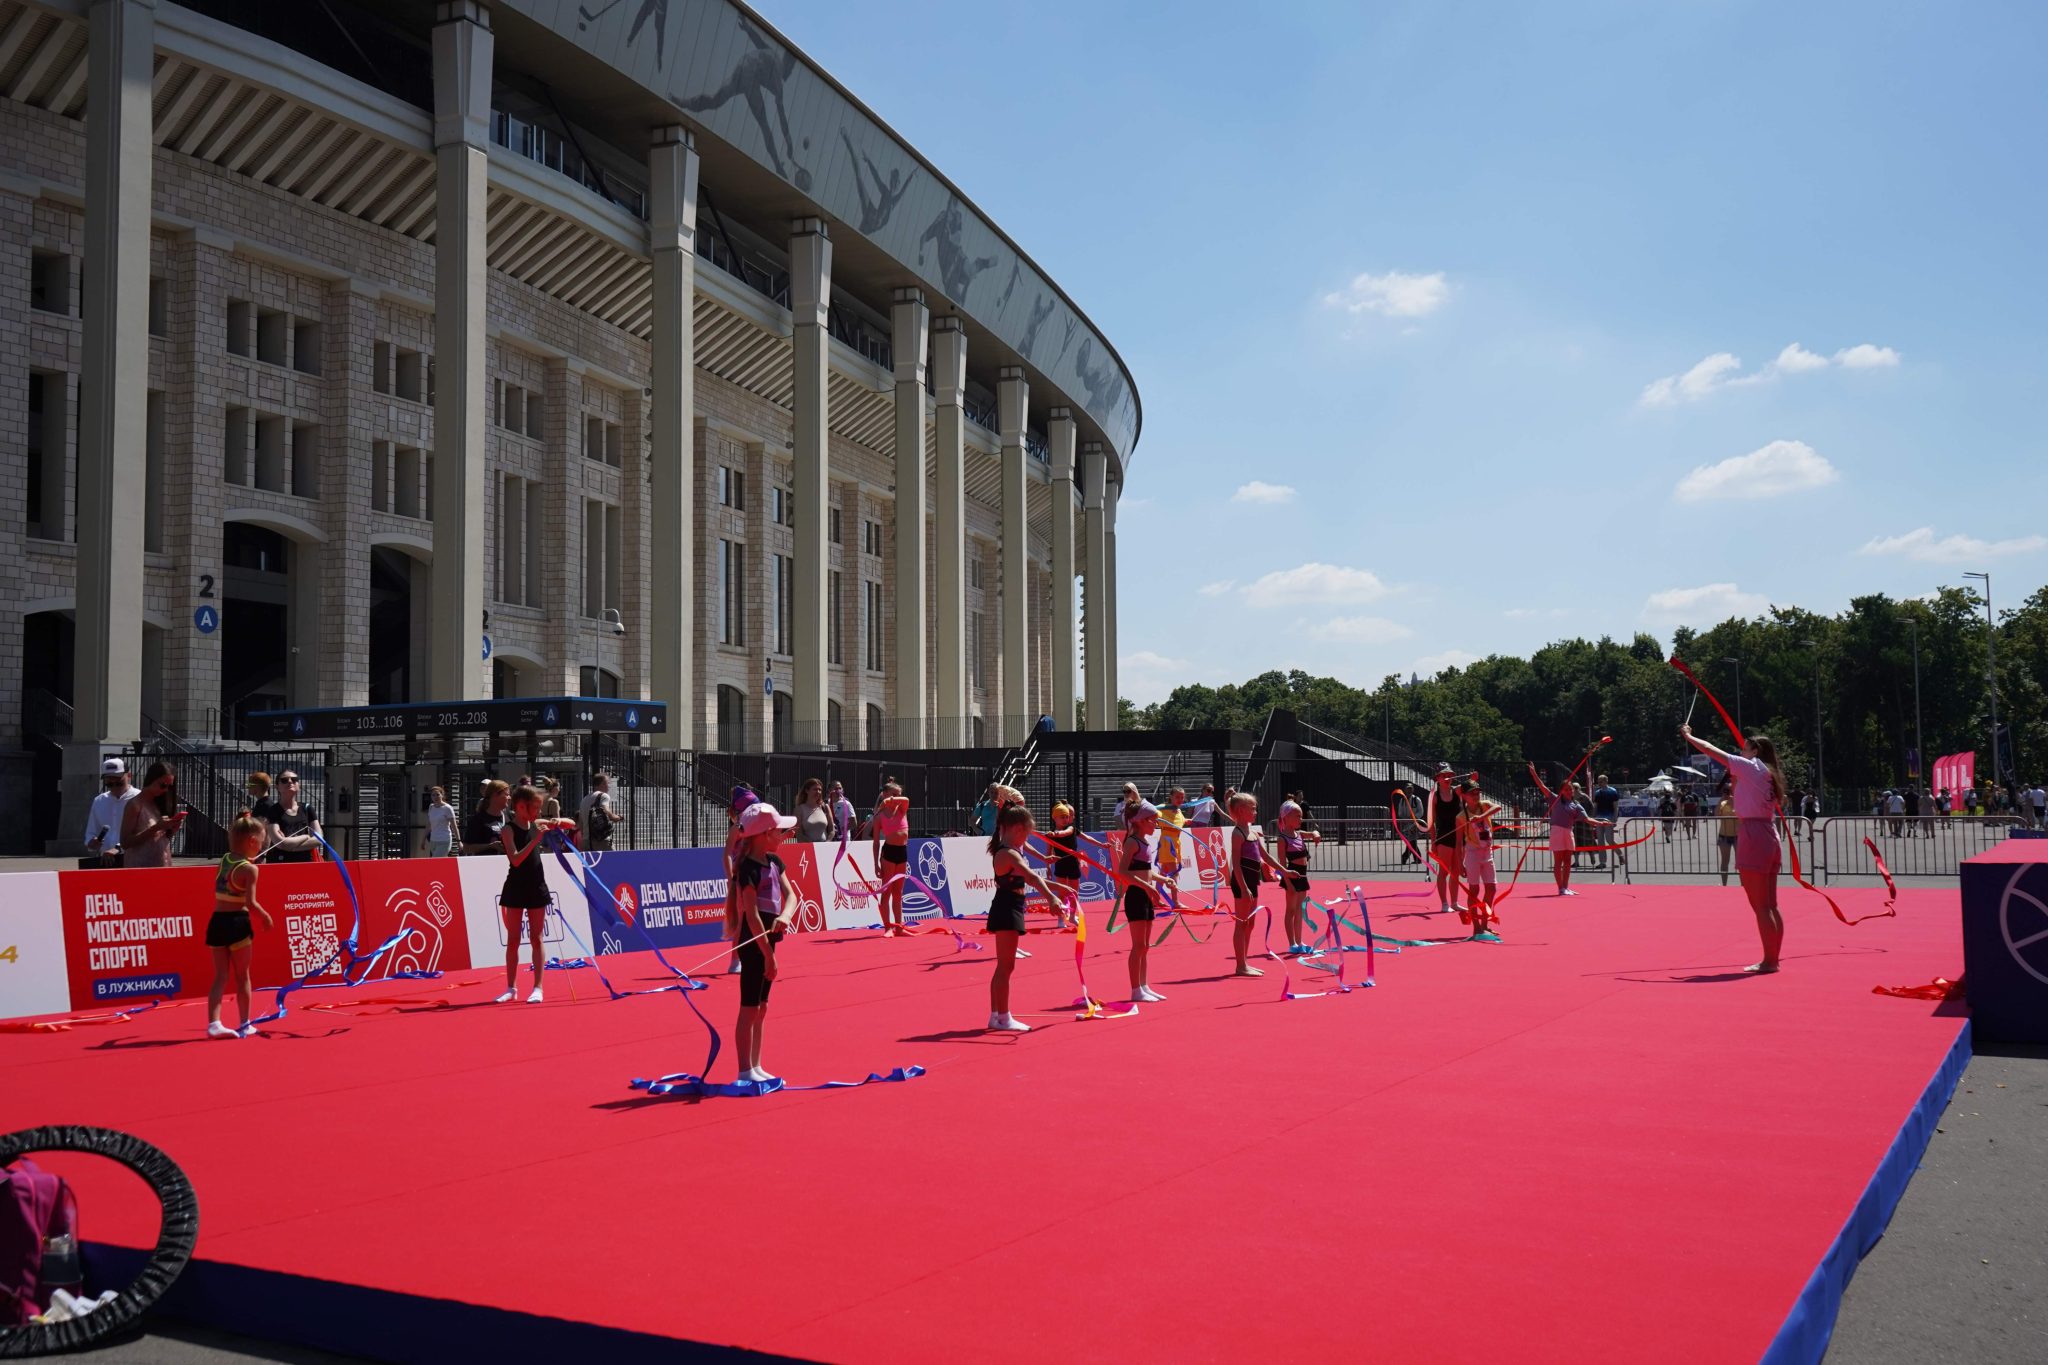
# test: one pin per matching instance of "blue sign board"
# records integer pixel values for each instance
(207, 619)
(487, 646)
(674, 896)
(928, 865)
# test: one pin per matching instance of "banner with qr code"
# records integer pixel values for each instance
(140, 934)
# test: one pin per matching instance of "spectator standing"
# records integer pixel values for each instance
(843, 815)
(1667, 809)
(1691, 810)
(295, 829)
(813, 816)
(482, 831)
(1895, 812)
(595, 817)
(151, 820)
(2037, 796)
(550, 789)
(439, 839)
(103, 821)
(1606, 800)
(1911, 799)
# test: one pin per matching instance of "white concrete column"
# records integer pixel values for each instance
(462, 110)
(910, 340)
(672, 478)
(1013, 401)
(1109, 501)
(114, 374)
(810, 301)
(1095, 606)
(949, 530)
(1059, 440)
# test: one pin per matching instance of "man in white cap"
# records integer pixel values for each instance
(103, 822)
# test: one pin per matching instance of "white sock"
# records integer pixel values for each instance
(217, 1029)
(504, 998)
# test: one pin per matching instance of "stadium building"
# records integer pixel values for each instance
(369, 351)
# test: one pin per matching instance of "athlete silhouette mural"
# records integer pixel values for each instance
(956, 268)
(759, 78)
(876, 211)
(657, 10)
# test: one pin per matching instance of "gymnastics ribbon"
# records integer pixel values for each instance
(1090, 1007)
(368, 962)
(1891, 888)
(1595, 748)
(1332, 950)
(961, 943)
(1778, 810)
(80, 1020)
(1941, 988)
(584, 872)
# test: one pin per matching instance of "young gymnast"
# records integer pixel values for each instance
(1247, 870)
(1141, 885)
(764, 905)
(1475, 843)
(1442, 819)
(1172, 819)
(742, 797)
(525, 897)
(1006, 912)
(1062, 841)
(892, 855)
(229, 933)
(1294, 842)
(1566, 815)
(1759, 798)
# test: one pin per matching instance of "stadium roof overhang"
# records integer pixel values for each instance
(836, 160)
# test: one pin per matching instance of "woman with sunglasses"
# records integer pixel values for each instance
(295, 829)
(151, 820)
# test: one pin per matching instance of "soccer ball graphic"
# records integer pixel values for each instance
(931, 867)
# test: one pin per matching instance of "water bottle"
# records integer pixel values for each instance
(61, 1269)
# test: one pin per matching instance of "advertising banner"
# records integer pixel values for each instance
(483, 879)
(1956, 773)
(675, 895)
(137, 934)
(33, 979)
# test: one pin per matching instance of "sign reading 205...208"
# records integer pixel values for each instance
(511, 716)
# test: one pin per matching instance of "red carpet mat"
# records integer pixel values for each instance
(1596, 1141)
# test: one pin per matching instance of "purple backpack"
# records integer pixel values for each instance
(34, 1205)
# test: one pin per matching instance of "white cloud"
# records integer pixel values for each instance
(1766, 472)
(1357, 630)
(1306, 584)
(1395, 294)
(1709, 604)
(1146, 676)
(1796, 359)
(1867, 357)
(1695, 384)
(1924, 547)
(1217, 589)
(1530, 613)
(1723, 370)
(1258, 490)
(1429, 665)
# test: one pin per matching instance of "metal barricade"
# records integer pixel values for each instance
(1926, 846)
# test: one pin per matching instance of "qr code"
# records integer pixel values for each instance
(313, 942)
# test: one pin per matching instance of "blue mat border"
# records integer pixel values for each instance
(1803, 1337)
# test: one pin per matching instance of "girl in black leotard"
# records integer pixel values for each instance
(1247, 870)
(1141, 891)
(1443, 838)
(1006, 912)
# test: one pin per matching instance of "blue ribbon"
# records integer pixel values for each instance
(350, 977)
(684, 1085)
(684, 981)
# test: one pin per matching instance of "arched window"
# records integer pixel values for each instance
(785, 722)
(873, 738)
(835, 725)
(597, 682)
(732, 719)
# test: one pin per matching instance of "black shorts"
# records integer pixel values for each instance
(1727, 841)
(229, 929)
(1249, 876)
(754, 982)
(1137, 905)
(1067, 868)
(1006, 914)
(896, 853)
(1296, 878)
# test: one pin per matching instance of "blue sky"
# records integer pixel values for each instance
(1468, 293)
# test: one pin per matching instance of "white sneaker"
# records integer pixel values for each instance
(534, 999)
(1022, 953)
(506, 998)
(1567, 892)
(1010, 1024)
(217, 1029)
(1147, 994)
(248, 1031)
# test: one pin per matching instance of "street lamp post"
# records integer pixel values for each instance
(1738, 693)
(1990, 668)
(1820, 738)
(1919, 744)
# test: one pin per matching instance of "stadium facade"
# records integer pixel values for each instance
(372, 351)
